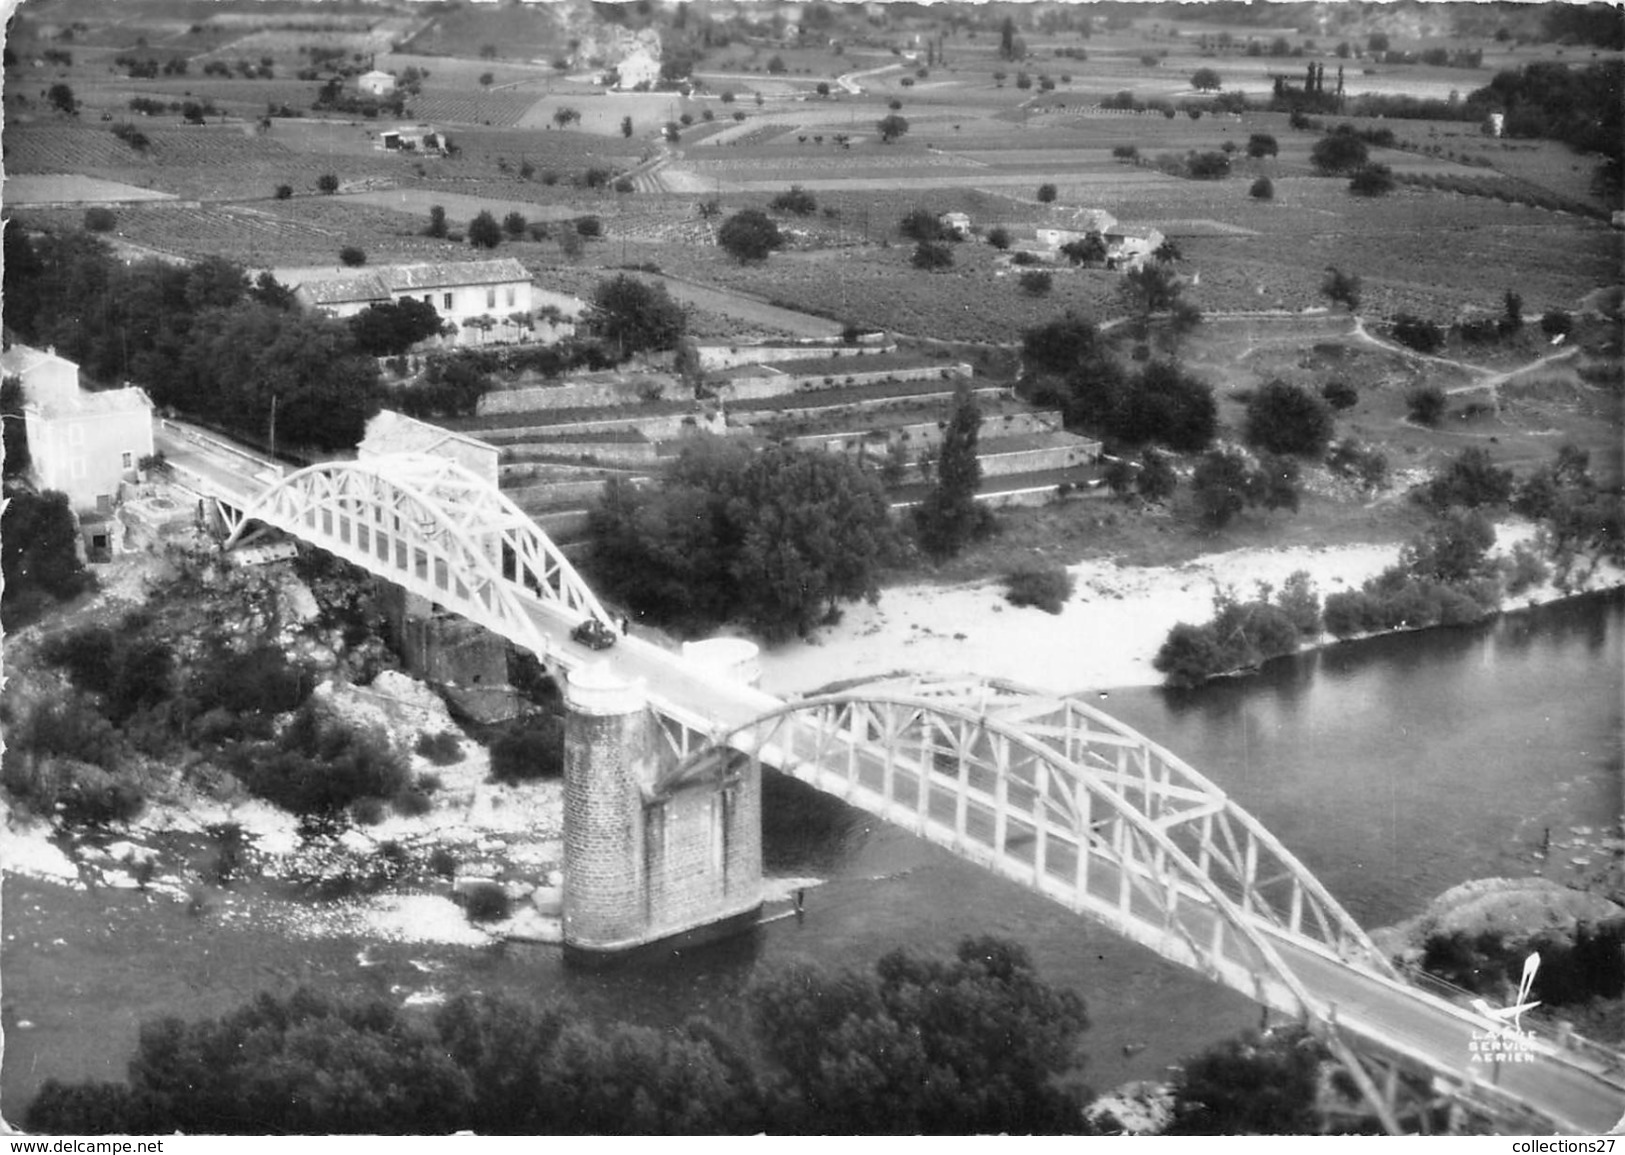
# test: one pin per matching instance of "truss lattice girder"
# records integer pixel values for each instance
(1011, 804)
(433, 527)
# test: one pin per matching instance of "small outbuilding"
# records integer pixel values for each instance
(375, 83)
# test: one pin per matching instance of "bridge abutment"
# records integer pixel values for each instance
(648, 859)
(462, 659)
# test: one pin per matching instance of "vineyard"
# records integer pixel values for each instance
(500, 109)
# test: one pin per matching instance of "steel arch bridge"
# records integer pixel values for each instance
(1045, 790)
(432, 526)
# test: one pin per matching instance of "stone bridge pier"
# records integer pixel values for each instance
(650, 857)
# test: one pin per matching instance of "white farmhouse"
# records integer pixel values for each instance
(466, 293)
(375, 83)
(84, 443)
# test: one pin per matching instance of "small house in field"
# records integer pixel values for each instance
(1075, 226)
(1128, 246)
(416, 138)
(956, 223)
(84, 443)
(482, 298)
(375, 83)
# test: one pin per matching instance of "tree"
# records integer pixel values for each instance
(39, 550)
(932, 256)
(388, 330)
(1454, 549)
(971, 1046)
(352, 256)
(514, 224)
(1090, 249)
(1206, 80)
(1341, 288)
(437, 221)
(328, 183)
(1220, 486)
(564, 116)
(749, 235)
(1156, 480)
(1046, 193)
(62, 99)
(776, 65)
(626, 127)
(1262, 189)
(1007, 39)
(822, 88)
(632, 316)
(13, 431)
(1168, 406)
(891, 127)
(776, 539)
(1262, 144)
(1372, 180)
(1339, 152)
(999, 237)
(1150, 289)
(1512, 312)
(1252, 1085)
(100, 219)
(950, 516)
(1284, 418)
(921, 224)
(484, 232)
(284, 192)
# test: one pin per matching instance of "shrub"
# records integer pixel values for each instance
(932, 255)
(999, 237)
(1046, 193)
(1262, 144)
(1426, 404)
(328, 183)
(1470, 481)
(352, 256)
(514, 224)
(1126, 152)
(486, 902)
(442, 749)
(1036, 282)
(284, 192)
(1372, 180)
(100, 219)
(483, 231)
(749, 235)
(321, 766)
(1556, 323)
(533, 748)
(1189, 656)
(1340, 394)
(1047, 587)
(1262, 189)
(795, 200)
(589, 227)
(1422, 335)
(412, 802)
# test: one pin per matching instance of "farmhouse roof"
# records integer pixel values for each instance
(449, 274)
(1143, 232)
(20, 359)
(84, 403)
(376, 74)
(1092, 220)
(344, 290)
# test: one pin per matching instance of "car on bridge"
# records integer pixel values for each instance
(594, 634)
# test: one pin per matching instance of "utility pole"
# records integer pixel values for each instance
(273, 425)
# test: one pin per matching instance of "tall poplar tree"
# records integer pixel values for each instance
(949, 517)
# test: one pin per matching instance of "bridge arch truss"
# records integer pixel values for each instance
(431, 526)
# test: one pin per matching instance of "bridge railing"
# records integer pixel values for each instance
(1559, 1035)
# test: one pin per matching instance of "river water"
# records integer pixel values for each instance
(1394, 768)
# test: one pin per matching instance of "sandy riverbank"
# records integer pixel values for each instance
(1104, 638)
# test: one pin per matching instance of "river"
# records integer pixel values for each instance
(1394, 768)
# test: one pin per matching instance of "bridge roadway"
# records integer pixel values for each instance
(1375, 1013)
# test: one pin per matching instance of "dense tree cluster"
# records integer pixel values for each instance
(1242, 634)
(1226, 482)
(971, 1045)
(198, 337)
(776, 539)
(39, 548)
(749, 235)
